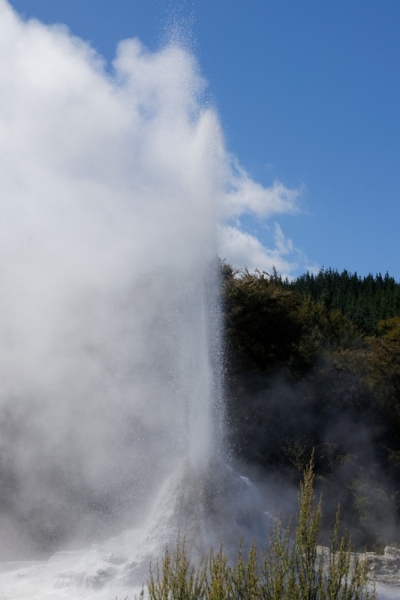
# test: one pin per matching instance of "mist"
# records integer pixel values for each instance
(117, 191)
(278, 424)
(108, 233)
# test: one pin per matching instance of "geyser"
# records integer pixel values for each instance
(110, 361)
(107, 257)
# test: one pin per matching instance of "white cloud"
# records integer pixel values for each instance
(244, 250)
(246, 196)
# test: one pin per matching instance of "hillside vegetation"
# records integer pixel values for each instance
(315, 364)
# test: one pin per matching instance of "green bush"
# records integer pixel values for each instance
(286, 570)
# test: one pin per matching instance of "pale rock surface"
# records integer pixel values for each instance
(385, 568)
(384, 572)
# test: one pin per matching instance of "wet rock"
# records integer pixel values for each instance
(383, 568)
(392, 552)
(115, 559)
(100, 577)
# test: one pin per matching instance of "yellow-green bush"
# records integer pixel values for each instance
(286, 570)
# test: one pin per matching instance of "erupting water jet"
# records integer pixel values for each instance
(110, 350)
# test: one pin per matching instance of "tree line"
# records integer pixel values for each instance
(365, 301)
(314, 365)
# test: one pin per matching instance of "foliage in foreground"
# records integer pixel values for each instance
(284, 571)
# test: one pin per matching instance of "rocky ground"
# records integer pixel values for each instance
(384, 571)
(385, 568)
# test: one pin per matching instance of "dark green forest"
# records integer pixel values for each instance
(314, 365)
(365, 301)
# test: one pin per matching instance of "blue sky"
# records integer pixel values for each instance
(308, 93)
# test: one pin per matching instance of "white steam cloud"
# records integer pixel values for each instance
(110, 189)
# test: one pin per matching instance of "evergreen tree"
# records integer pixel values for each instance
(363, 300)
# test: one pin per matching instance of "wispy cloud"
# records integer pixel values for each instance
(244, 250)
(245, 198)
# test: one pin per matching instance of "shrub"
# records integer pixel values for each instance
(286, 570)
